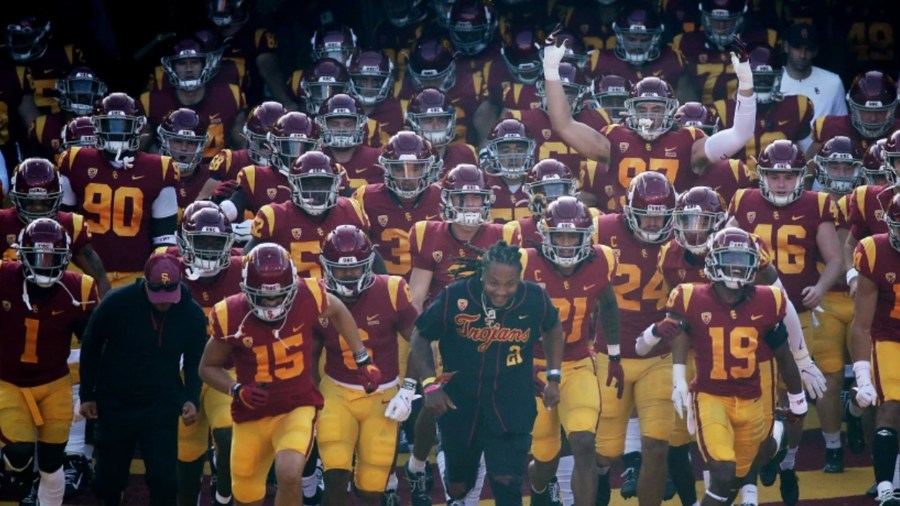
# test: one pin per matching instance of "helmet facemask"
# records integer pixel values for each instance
(315, 193)
(768, 188)
(44, 264)
(349, 276)
(735, 266)
(459, 206)
(510, 157)
(650, 117)
(565, 245)
(694, 228)
(408, 176)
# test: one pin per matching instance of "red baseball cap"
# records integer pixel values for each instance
(162, 273)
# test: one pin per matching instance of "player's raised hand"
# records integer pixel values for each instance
(740, 60)
(554, 51)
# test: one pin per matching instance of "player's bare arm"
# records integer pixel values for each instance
(212, 366)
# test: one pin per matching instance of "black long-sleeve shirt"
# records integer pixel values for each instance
(132, 353)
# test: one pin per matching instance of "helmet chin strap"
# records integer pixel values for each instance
(27, 300)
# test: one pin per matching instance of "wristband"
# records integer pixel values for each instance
(428, 381)
(554, 375)
(613, 350)
(431, 388)
(797, 403)
(361, 357)
(235, 388)
(852, 273)
(409, 384)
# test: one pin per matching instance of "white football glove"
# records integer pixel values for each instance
(681, 397)
(743, 72)
(400, 406)
(812, 377)
(242, 231)
(865, 392)
(553, 56)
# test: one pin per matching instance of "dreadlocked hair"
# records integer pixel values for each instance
(500, 252)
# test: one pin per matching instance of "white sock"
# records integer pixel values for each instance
(392, 483)
(706, 479)
(832, 439)
(788, 462)
(564, 477)
(415, 465)
(777, 433)
(310, 484)
(222, 498)
(633, 436)
(52, 488)
(748, 495)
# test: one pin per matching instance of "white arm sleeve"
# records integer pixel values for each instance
(724, 144)
(69, 198)
(796, 341)
(165, 205)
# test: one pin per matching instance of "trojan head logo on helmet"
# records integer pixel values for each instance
(697, 115)
(432, 63)
(574, 84)
(472, 25)
(638, 30)
(371, 76)
(781, 168)
(609, 92)
(892, 219)
(892, 159)
(44, 249)
(269, 281)
(35, 190)
(874, 165)
(839, 165)
(722, 20)
(409, 164)
(118, 121)
(649, 208)
(766, 67)
(347, 258)
(566, 229)
(337, 42)
(315, 182)
(510, 150)
(183, 136)
(872, 100)
(292, 135)
(522, 55)
(205, 239)
(27, 38)
(431, 115)
(79, 91)
(325, 78)
(191, 63)
(546, 181)
(465, 198)
(79, 132)
(651, 107)
(256, 130)
(699, 212)
(733, 258)
(341, 122)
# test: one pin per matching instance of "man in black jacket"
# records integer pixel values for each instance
(131, 378)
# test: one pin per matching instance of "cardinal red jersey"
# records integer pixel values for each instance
(548, 144)
(36, 341)
(595, 179)
(73, 223)
(866, 210)
(381, 312)
(118, 203)
(575, 295)
(207, 292)
(876, 259)
(45, 136)
(243, 48)
(263, 185)
(277, 354)
(827, 127)
(302, 234)
(709, 69)
(726, 177)
(46, 70)
(789, 232)
(389, 116)
(362, 168)
(728, 340)
(434, 248)
(229, 73)
(679, 265)
(502, 87)
(189, 186)
(508, 205)
(221, 105)
(669, 66)
(670, 154)
(228, 162)
(788, 118)
(455, 154)
(15, 83)
(465, 95)
(391, 218)
(868, 34)
(639, 287)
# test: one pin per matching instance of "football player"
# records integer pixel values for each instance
(36, 193)
(431, 115)
(875, 329)
(275, 402)
(315, 209)
(566, 256)
(214, 68)
(372, 78)
(128, 197)
(342, 122)
(182, 136)
(509, 154)
(352, 422)
(545, 182)
(727, 352)
(228, 162)
(43, 306)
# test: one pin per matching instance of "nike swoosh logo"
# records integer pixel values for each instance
(756, 317)
(135, 178)
(523, 317)
(671, 149)
(782, 123)
(588, 287)
(430, 217)
(373, 317)
(56, 312)
(298, 327)
(795, 218)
